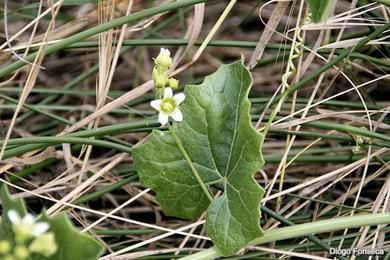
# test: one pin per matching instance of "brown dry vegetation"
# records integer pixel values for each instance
(321, 177)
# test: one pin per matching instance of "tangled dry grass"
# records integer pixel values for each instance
(103, 78)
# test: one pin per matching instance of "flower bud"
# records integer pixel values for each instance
(9, 257)
(367, 140)
(163, 59)
(173, 83)
(5, 247)
(161, 81)
(359, 140)
(44, 245)
(356, 149)
(21, 252)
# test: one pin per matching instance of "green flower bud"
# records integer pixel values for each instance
(161, 81)
(359, 139)
(9, 257)
(21, 252)
(356, 149)
(163, 59)
(367, 140)
(44, 245)
(173, 83)
(5, 247)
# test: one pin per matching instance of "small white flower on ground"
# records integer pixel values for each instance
(168, 106)
(26, 227)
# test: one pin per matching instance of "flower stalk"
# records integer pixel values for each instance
(188, 159)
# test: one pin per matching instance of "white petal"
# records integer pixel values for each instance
(156, 104)
(179, 98)
(177, 115)
(28, 219)
(163, 118)
(40, 228)
(14, 217)
(168, 93)
(165, 51)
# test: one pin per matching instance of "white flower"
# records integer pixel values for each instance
(26, 227)
(168, 106)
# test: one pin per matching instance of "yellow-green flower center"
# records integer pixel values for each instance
(168, 105)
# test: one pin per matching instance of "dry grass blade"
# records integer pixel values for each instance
(270, 27)
(32, 76)
(82, 187)
(146, 242)
(353, 165)
(131, 95)
(193, 33)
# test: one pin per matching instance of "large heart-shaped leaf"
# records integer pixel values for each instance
(224, 148)
(72, 244)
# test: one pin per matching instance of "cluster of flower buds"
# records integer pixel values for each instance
(360, 141)
(166, 103)
(30, 237)
(160, 72)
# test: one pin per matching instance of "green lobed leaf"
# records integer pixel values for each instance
(71, 243)
(320, 9)
(8, 203)
(224, 148)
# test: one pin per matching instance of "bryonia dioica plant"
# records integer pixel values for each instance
(206, 160)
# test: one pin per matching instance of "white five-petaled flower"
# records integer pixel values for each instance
(168, 106)
(26, 227)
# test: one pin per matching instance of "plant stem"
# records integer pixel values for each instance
(147, 124)
(98, 29)
(191, 165)
(101, 192)
(219, 43)
(346, 53)
(385, 2)
(35, 143)
(303, 230)
(287, 222)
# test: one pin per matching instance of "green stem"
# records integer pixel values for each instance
(98, 29)
(188, 159)
(147, 124)
(67, 88)
(349, 129)
(346, 53)
(31, 169)
(101, 192)
(35, 143)
(321, 226)
(125, 232)
(385, 2)
(287, 222)
(220, 43)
